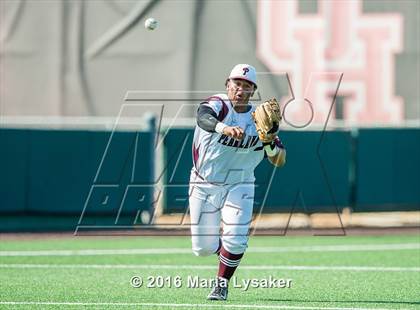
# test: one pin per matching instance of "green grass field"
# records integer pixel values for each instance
(376, 272)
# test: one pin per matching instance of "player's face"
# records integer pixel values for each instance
(239, 91)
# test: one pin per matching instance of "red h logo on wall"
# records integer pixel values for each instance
(339, 38)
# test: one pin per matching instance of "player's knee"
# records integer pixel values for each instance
(204, 245)
(202, 251)
(235, 245)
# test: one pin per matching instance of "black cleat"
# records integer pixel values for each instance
(219, 290)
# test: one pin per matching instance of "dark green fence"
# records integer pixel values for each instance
(59, 174)
(48, 177)
(388, 170)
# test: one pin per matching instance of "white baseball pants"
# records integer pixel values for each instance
(210, 205)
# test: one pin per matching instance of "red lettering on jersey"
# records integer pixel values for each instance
(339, 38)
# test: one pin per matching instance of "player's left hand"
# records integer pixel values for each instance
(267, 118)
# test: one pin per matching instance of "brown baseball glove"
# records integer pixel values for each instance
(267, 117)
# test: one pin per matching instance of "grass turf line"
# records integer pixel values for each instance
(310, 288)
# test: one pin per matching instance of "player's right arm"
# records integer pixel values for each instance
(207, 120)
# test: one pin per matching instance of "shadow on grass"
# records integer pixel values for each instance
(345, 301)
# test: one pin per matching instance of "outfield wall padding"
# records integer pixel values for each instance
(63, 172)
(388, 169)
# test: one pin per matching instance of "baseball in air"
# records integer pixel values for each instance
(150, 23)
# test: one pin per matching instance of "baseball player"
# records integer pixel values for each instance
(230, 140)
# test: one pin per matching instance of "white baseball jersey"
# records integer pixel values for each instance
(221, 159)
